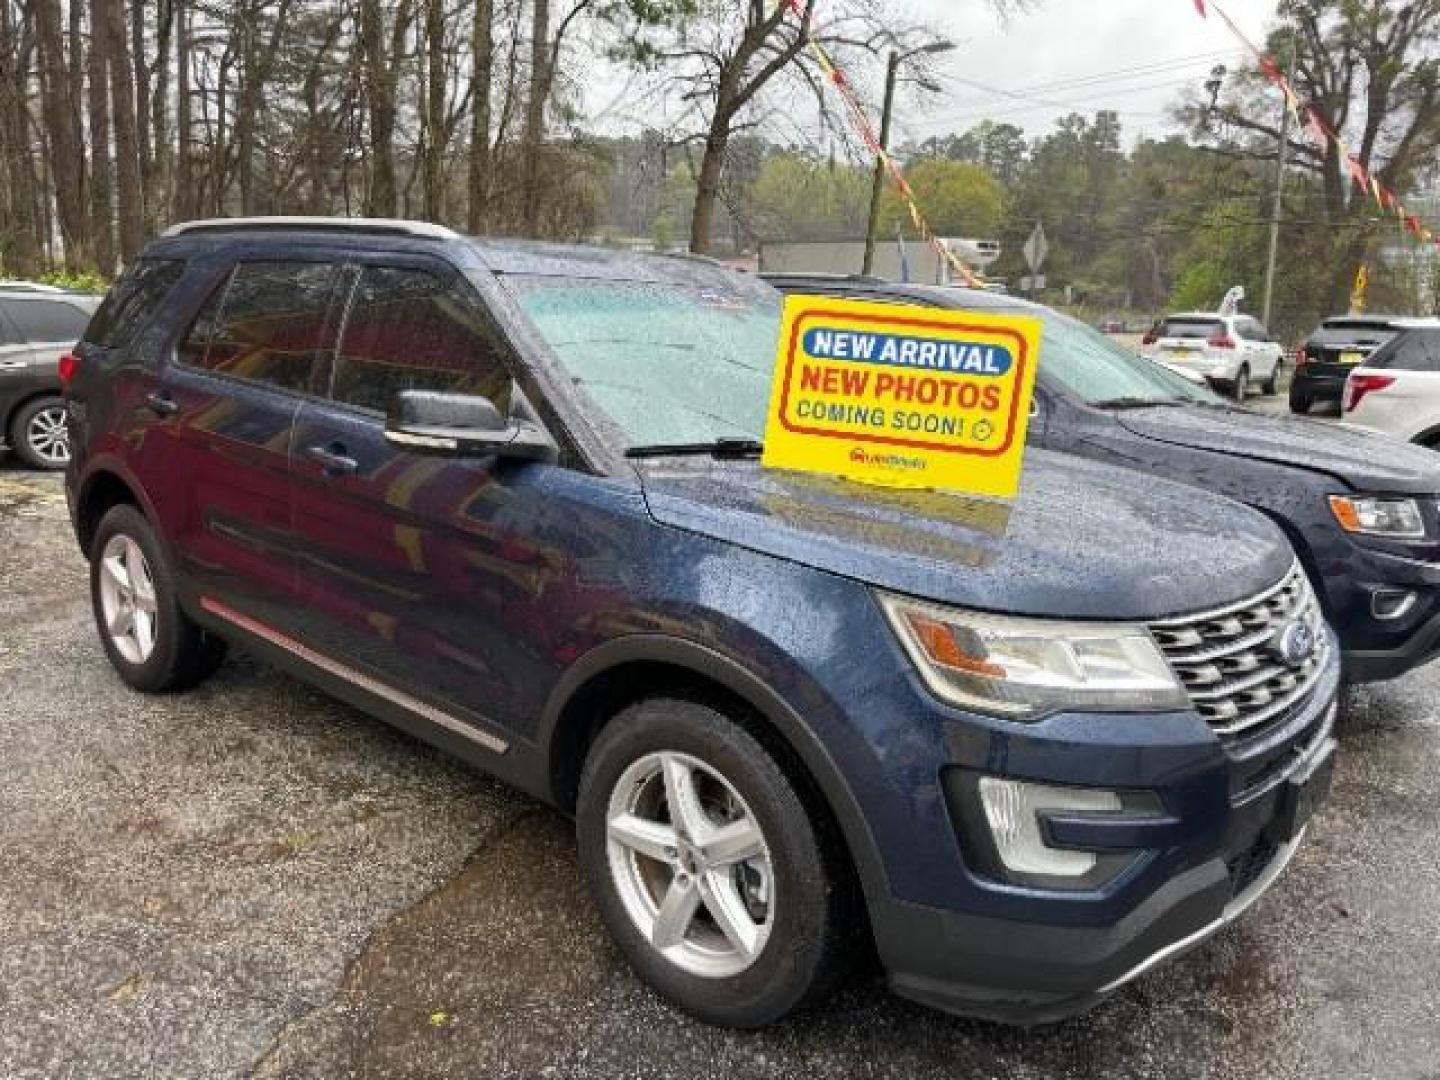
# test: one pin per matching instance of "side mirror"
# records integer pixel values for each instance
(463, 425)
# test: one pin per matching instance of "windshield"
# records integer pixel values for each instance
(670, 364)
(1097, 370)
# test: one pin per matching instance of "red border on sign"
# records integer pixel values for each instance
(1023, 357)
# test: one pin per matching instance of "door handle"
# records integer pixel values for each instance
(161, 404)
(333, 459)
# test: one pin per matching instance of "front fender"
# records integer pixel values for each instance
(714, 666)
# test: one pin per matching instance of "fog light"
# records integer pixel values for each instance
(1013, 809)
(1391, 603)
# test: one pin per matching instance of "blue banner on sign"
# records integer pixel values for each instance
(896, 350)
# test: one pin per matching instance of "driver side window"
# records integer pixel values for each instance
(408, 329)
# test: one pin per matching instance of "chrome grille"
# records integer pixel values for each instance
(1227, 662)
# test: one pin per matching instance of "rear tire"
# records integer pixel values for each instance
(1240, 387)
(151, 642)
(1300, 402)
(789, 900)
(38, 434)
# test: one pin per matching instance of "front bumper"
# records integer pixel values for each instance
(1041, 965)
(1319, 386)
(1171, 923)
(1375, 648)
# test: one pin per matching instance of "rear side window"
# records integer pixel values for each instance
(410, 330)
(1189, 328)
(8, 334)
(1417, 350)
(132, 300)
(47, 320)
(270, 322)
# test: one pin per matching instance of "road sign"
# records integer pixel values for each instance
(1036, 248)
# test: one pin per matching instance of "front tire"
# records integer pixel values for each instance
(1268, 386)
(151, 642)
(38, 434)
(707, 867)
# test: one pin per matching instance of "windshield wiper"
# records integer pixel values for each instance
(723, 448)
(1137, 403)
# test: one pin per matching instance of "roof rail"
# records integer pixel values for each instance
(338, 224)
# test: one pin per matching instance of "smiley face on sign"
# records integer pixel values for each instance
(903, 396)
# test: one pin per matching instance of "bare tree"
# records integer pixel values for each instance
(482, 62)
(1370, 71)
(102, 171)
(718, 57)
(131, 209)
(436, 132)
(63, 138)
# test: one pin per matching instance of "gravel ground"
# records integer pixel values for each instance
(255, 880)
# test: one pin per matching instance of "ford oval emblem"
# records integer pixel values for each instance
(1294, 643)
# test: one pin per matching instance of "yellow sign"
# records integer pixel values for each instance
(1362, 286)
(903, 396)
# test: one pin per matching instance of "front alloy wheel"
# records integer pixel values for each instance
(691, 864)
(708, 867)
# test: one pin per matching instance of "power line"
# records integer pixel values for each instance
(982, 112)
(1117, 75)
(1125, 74)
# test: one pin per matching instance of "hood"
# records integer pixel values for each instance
(1082, 540)
(1364, 461)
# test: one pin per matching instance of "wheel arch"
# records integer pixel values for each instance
(632, 668)
(104, 486)
(1429, 438)
(14, 407)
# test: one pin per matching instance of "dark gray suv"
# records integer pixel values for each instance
(38, 325)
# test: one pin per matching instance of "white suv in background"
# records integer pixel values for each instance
(1397, 389)
(1229, 351)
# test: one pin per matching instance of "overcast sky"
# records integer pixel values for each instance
(1051, 58)
(1135, 56)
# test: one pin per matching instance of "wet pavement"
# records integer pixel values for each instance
(255, 880)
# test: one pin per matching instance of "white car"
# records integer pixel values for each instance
(1397, 389)
(1229, 351)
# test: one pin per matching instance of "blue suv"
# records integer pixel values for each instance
(506, 496)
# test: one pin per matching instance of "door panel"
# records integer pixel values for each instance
(414, 569)
(223, 415)
(409, 563)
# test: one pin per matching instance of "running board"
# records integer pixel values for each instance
(357, 678)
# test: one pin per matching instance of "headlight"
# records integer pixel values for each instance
(1395, 519)
(1018, 667)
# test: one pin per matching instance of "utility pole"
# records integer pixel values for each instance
(877, 184)
(1277, 206)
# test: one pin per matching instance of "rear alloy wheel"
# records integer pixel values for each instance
(150, 641)
(127, 598)
(38, 434)
(1240, 388)
(707, 866)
